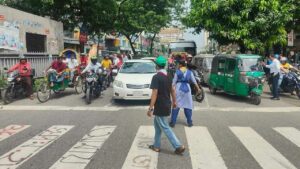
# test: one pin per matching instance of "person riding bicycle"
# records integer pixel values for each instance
(24, 69)
(57, 71)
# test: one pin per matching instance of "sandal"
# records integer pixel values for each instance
(180, 150)
(154, 149)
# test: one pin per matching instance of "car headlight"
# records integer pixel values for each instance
(118, 83)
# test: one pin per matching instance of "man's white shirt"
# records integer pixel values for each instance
(72, 64)
(274, 67)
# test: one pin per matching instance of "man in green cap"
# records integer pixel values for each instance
(160, 106)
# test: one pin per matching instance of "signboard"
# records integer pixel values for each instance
(291, 38)
(9, 38)
(83, 38)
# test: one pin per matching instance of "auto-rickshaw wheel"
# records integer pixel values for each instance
(43, 92)
(212, 90)
(78, 85)
(298, 92)
(255, 99)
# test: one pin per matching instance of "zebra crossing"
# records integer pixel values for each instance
(201, 148)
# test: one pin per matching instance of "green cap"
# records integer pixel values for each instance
(94, 57)
(161, 61)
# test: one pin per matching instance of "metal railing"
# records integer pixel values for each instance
(38, 62)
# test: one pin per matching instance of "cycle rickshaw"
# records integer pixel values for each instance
(45, 90)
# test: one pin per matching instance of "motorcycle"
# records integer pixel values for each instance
(107, 78)
(290, 83)
(201, 94)
(92, 86)
(15, 87)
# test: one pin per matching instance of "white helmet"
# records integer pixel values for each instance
(283, 59)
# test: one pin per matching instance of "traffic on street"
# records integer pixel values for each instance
(125, 84)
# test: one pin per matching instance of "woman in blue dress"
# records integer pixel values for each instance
(181, 82)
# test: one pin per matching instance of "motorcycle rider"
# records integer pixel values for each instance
(108, 65)
(189, 59)
(57, 71)
(285, 68)
(106, 62)
(83, 59)
(95, 66)
(24, 69)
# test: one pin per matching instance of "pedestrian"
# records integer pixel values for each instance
(275, 76)
(182, 78)
(160, 107)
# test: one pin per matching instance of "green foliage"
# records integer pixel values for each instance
(255, 24)
(137, 16)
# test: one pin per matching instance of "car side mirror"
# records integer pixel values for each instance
(114, 72)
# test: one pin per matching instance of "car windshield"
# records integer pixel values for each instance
(138, 67)
(250, 64)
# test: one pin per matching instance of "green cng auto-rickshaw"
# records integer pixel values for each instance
(239, 74)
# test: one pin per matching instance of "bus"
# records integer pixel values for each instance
(183, 46)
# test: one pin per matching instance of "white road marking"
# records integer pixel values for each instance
(203, 150)
(16, 157)
(290, 133)
(79, 156)
(62, 108)
(11, 130)
(264, 153)
(118, 108)
(139, 155)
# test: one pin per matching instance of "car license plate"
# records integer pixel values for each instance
(138, 93)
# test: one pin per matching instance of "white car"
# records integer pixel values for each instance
(149, 58)
(133, 80)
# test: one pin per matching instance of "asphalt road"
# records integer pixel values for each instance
(228, 133)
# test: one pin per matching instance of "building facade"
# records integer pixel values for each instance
(26, 33)
(168, 35)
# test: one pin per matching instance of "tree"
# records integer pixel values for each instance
(253, 24)
(73, 13)
(137, 16)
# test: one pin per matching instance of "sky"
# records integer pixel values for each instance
(198, 38)
(188, 35)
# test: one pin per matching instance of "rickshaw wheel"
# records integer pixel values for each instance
(212, 90)
(255, 99)
(78, 85)
(56, 91)
(43, 92)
